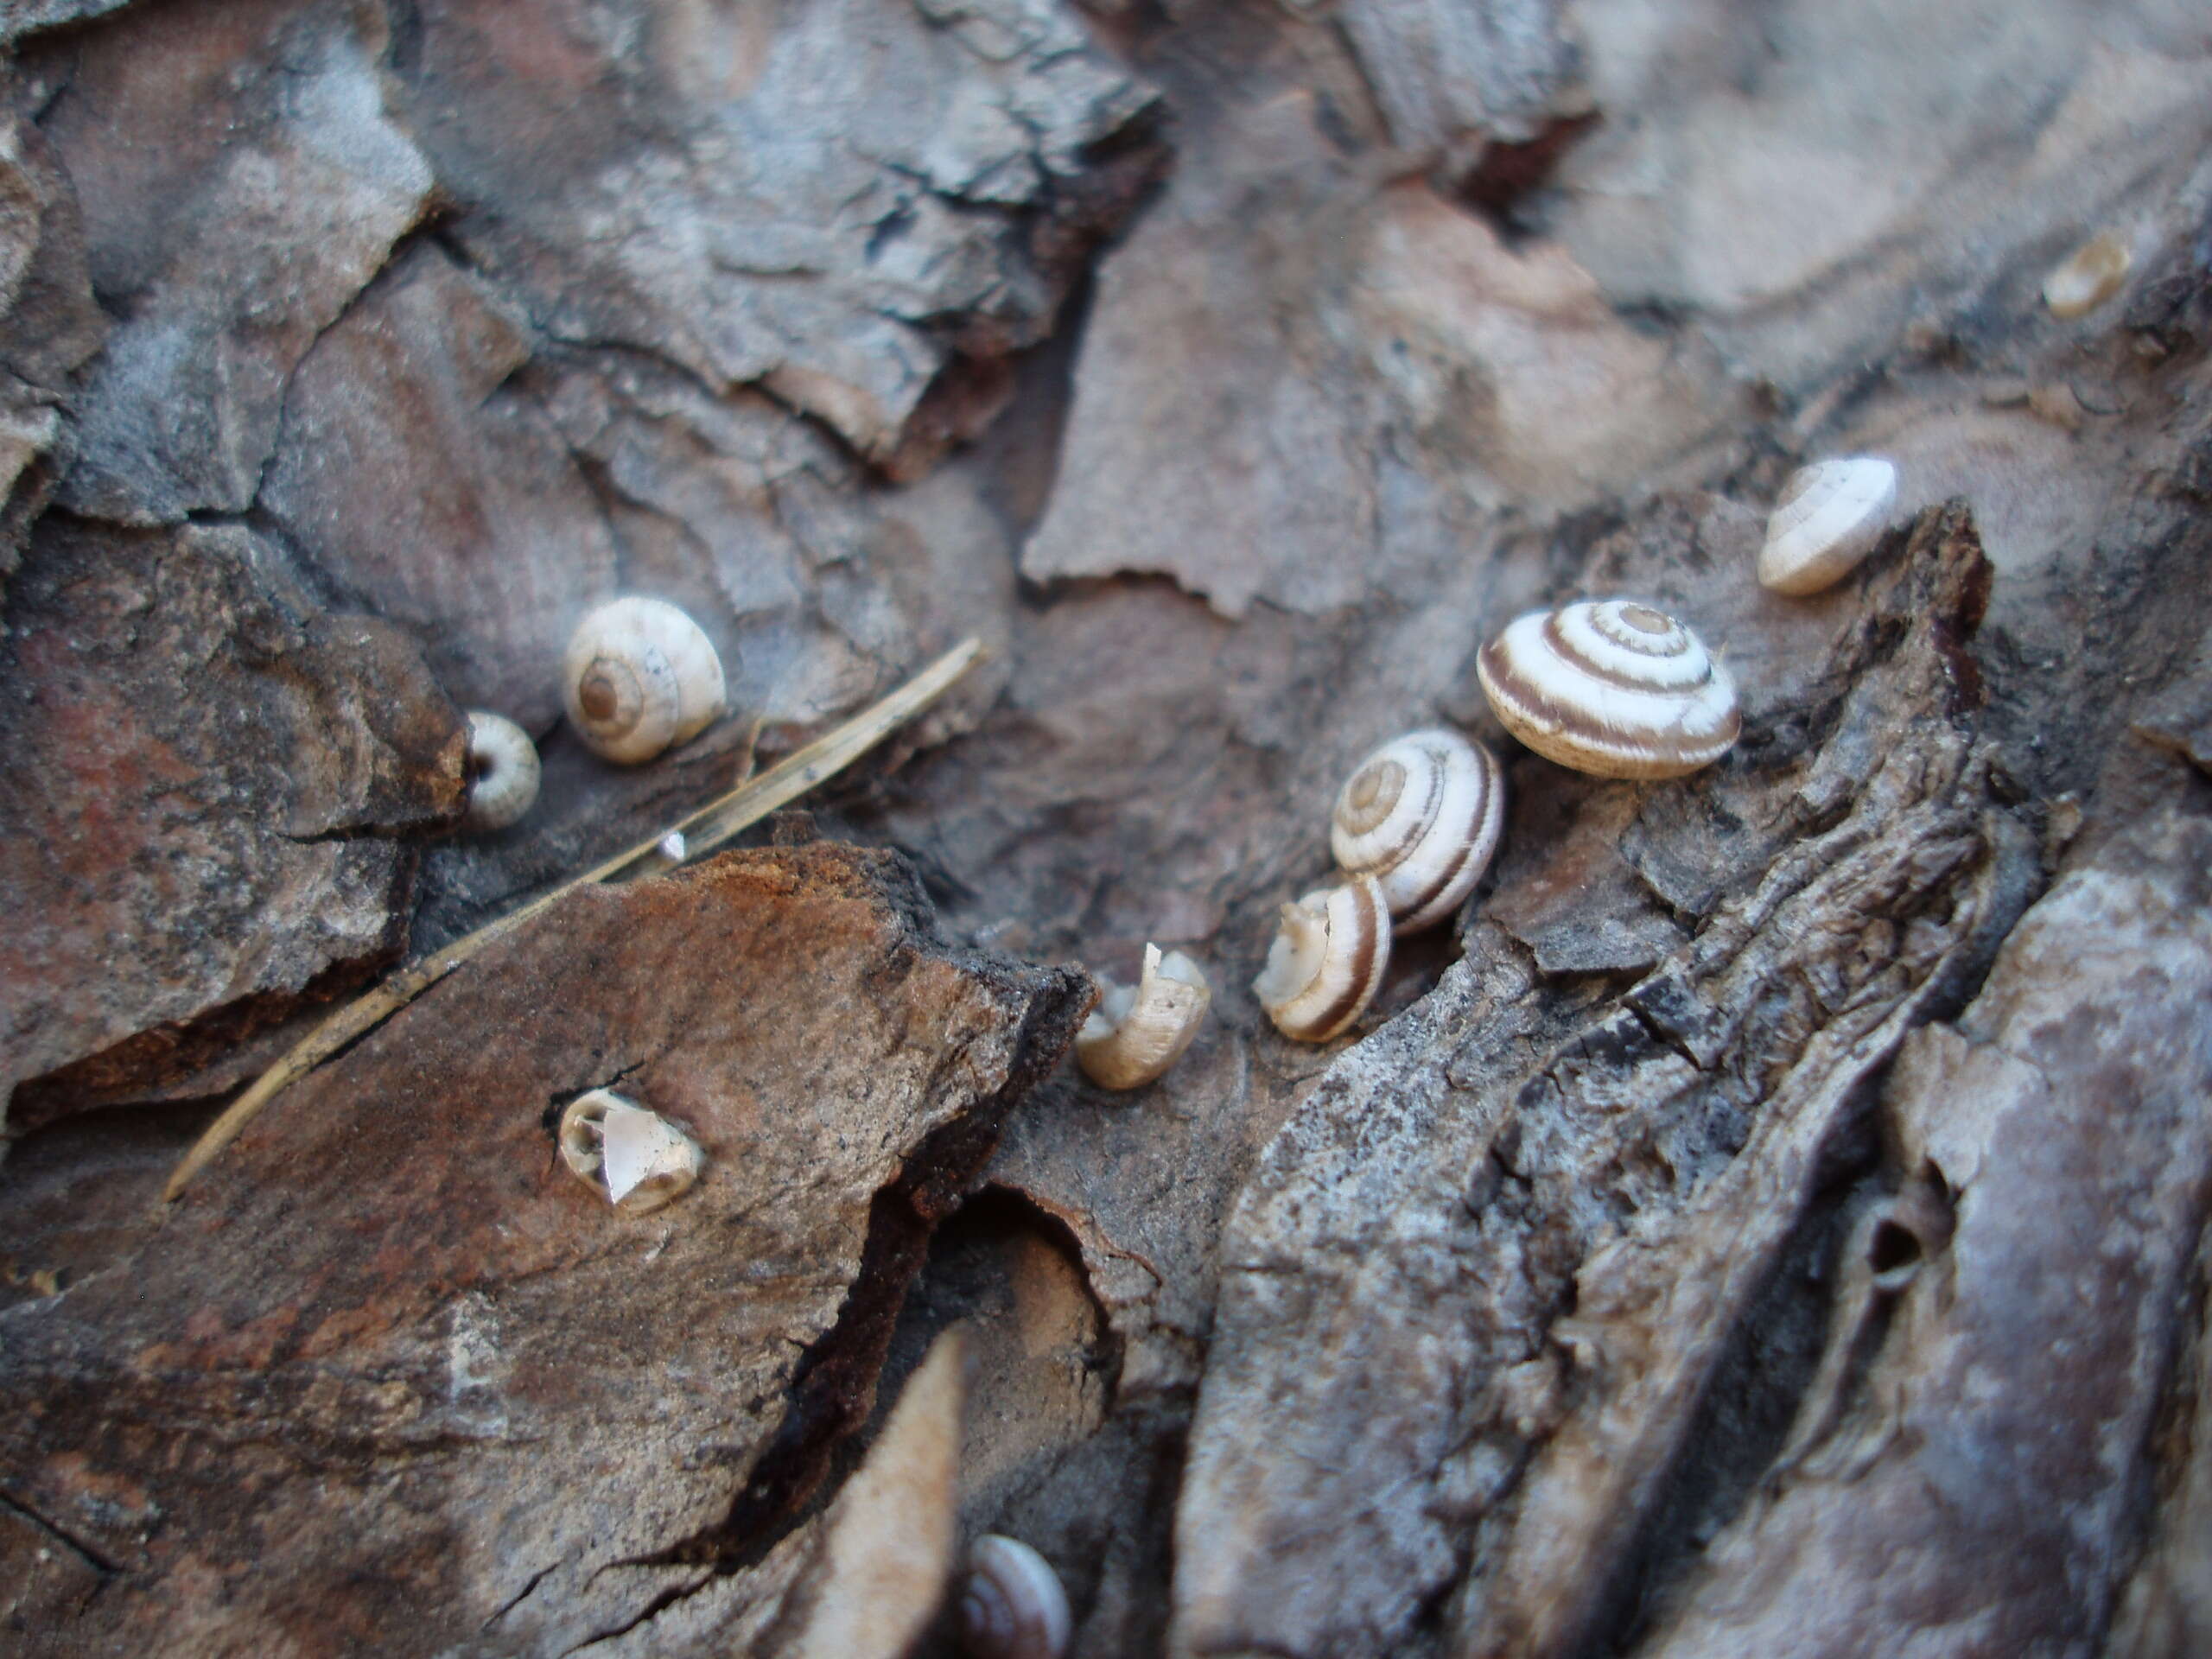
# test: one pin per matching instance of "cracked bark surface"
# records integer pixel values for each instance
(1770, 1217)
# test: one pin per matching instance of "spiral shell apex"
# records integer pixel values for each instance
(639, 677)
(637, 1160)
(1612, 687)
(1327, 960)
(503, 773)
(1422, 815)
(1831, 515)
(1138, 1031)
(1012, 1605)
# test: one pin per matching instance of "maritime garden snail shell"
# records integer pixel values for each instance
(502, 772)
(1831, 515)
(637, 1160)
(1611, 687)
(639, 677)
(1138, 1031)
(2088, 277)
(1326, 960)
(1012, 1605)
(1422, 815)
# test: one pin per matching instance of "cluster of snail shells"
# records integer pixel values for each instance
(1012, 1605)
(1614, 687)
(638, 678)
(1138, 1031)
(633, 1158)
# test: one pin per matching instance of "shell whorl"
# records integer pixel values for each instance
(1422, 815)
(1831, 515)
(1138, 1031)
(639, 677)
(1611, 687)
(1012, 1605)
(1327, 960)
(503, 773)
(635, 1159)
(2087, 277)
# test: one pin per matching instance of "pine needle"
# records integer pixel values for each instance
(706, 829)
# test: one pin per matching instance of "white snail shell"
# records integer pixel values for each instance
(1012, 1605)
(639, 675)
(1422, 815)
(1326, 960)
(502, 772)
(637, 1160)
(1611, 687)
(1831, 515)
(2088, 277)
(1138, 1031)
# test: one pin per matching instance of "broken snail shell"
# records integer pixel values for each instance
(502, 772)
(1012, 1605)
(639, 675)
(1422, 815)
(2088, 277)
(1612, 687)
(637, 1160)
(1326, 960)
(1138, 1031)
(1831, 515)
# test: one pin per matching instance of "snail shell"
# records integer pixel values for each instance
(639, 675)
(1012, 1605)
(636, 1158)
(1831, 515)
(502, 772)
(2088, 277)
(1138, 1031)
(1326, 960)
(1422, 815)
(1611, 687)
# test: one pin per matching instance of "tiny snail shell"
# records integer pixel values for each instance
(1831, 515)
(1138, 1031)
(637, 1160)
(2088, 277)
(1326, 960)
(1422, 815)
(1612, 687)
(1012, 1605)
(502, 772)
(639, 677)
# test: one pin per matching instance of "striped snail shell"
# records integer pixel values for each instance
(636, 1158)
(1611, 687)
(1138, 1031)
(503, 773)
(1831, 515)
(1012, 1605)
(1422, 815)
(639, 677)
(2088, 277)
(1326, 960)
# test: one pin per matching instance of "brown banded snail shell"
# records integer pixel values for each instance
(503, 773)
(1012, 1605)
(1831, 515)
(639, 677)
(637, 1160)
(2088, 277)
(1327, 960)
(1138, 1031)
(1422, 815)
(1611, 687)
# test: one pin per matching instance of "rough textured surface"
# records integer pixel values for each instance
(857, 326)
(198, 820)
(586, 1415)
